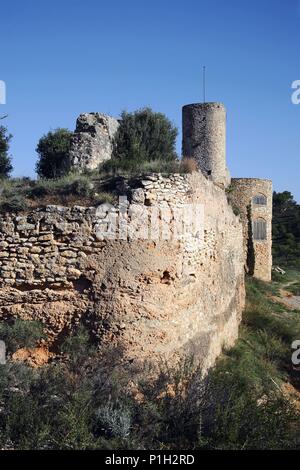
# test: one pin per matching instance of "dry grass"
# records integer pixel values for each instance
(189, 165)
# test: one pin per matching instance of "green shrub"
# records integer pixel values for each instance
(113, 420)
(294, 288)
(72, 184)
(41, 189)
(86, 401)
(103, 197)
(278, 277)
(231, 419)
(21, 334)
(145, 136)
(78, 345)
(263, 314)
(53, 150)
(131, 167)
(5, 160)
(269, 346)
(15, 203)
(81, 187)
(236, 210)
(286, 229)
(138, 167)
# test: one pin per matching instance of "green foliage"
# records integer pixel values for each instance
(236, 210)
(295, 288)
(78, 346)
(286, 229)
(145, 136)
(13, 203)
(85, 401)
(263, 314)
(20, 334)
(53, 150)
(113, 420)
(234, 420)
(12, 194)
(245, 403)
(19, 194)
(135, 167)
(5, 160)
(72, 184)
(81, 187)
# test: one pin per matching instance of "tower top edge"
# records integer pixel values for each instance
(209, 105)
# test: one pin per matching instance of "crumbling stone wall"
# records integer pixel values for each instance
(92, 140)
(157, 298)
(257, 253)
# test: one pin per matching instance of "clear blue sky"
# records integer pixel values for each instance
(63, 57)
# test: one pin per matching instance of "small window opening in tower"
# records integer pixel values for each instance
(260, 200)
(259, 229)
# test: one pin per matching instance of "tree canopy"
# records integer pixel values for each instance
(286, 227)
(5, 160)
(53, 150)
(145, 135)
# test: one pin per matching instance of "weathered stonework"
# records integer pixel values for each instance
(92, 140)
(157, 299)
(257, 253)
(204, 139)
(124, 271)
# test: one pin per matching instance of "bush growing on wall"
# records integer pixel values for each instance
(145, 136)
(53, 150)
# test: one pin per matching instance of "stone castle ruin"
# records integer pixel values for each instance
(157, 298)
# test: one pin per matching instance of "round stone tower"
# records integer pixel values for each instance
(204, 139)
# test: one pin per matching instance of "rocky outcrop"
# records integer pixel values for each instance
(92, 140)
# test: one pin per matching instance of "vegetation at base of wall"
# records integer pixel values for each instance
(19, 333)
(82, 401)
(13, 203)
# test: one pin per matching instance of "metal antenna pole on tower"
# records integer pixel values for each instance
(204, 83)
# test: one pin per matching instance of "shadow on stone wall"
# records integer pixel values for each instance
(250, 263)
